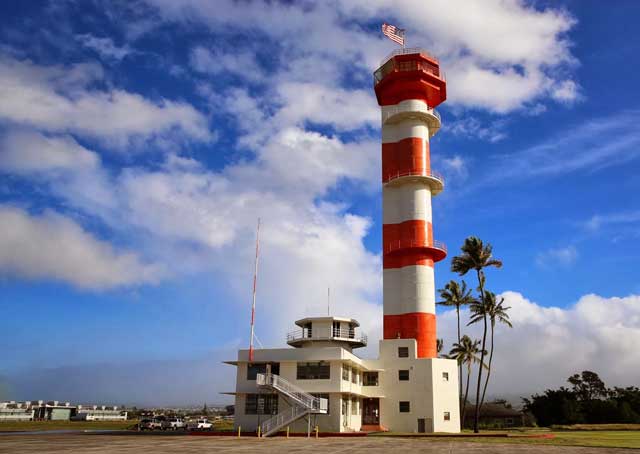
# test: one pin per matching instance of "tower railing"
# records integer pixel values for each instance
(411, 243)
(327, 334)
(408, 50)
(411, 173)
(389, 112)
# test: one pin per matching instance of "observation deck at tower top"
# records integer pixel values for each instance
(410, 73)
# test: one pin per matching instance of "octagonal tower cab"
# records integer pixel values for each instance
(327, 332)
(408, 86)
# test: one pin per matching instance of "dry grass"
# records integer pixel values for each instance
(29, 426)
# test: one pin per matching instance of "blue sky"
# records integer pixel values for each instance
(140, 141)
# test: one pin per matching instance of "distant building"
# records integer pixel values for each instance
(99, 413)
(39, 410)
(52, 410)
(15, 411)
(495, 415)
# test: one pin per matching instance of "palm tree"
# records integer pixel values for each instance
(456, 295)
(476, 256)
(496, 313)
(439, 345)
(465, 352)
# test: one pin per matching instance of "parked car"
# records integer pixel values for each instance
(173, 424)
(199, 424)
(150, 424)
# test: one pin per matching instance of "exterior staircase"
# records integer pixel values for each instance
(303, 403)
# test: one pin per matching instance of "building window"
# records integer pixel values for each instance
(336, 329)
(403, 352)
(354, 406)
(447, 416)
(405, 406)
(370, 379)
(354, 376)
(445, 376)
(254, 369)
(323, 396)
(345, 372)
(313, 371)
(403, 375)
(261, 404)
(345, 406)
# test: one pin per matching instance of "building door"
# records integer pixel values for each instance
(421, 426)
(371, 412)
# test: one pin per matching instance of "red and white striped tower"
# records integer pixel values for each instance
(408, 86)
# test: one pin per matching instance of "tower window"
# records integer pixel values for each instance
(447, 416)
(403, 352)
(403, 375)
(405, 406)
(445, 376)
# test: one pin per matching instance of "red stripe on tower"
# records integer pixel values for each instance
(408, 86)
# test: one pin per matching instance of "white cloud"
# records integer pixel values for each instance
(346, 109)
(105, 47)
(68, 169)
(456, 166)
(26, 152)
(471, 127)
(548, 344)
(499, 55)
(563, 256)
(578, 148)
(241, 63)
(566, 91)
(52, 246)
(207, 218)
(60, 99)
(596, 222)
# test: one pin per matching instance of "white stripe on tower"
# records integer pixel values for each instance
(408, 277)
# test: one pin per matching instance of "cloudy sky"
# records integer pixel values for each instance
(141, 140)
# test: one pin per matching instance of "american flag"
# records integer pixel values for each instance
(393, 33)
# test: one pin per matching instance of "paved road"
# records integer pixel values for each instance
(98, 444)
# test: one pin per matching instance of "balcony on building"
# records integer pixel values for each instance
(327, 332)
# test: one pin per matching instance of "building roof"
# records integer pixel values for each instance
(304, 321)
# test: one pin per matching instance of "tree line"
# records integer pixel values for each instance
(484, 308)
(587, 401)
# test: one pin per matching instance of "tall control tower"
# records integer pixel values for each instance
(409, 85)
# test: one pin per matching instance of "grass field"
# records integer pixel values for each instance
(29, 426)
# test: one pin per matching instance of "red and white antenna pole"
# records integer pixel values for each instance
(253, 304)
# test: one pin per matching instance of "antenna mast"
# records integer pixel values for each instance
(253, 304)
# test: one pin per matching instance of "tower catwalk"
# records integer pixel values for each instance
(408, 86)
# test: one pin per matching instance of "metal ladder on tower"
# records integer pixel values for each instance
(304, 403)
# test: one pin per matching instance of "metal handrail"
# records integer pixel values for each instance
(332, 333)
(279, 420)
(411, 243)
(408, 50)
(389, 112)
(411, 173)
(312, 403)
